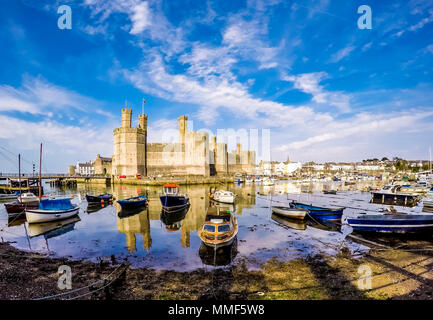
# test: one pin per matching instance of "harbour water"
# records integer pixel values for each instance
(147, 239)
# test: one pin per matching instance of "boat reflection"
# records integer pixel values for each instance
(52, 229)
(289, 223)
(126, 213)
(302, 224)
(228, 206)
(94, 207)
(172, 220)
(218, 257)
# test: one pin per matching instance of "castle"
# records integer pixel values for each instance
(194, 154)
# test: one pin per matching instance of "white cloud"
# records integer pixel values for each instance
(214, 94)
(63, 144)
(140, 18)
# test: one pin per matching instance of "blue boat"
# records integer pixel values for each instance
(392, 223)
(172, 201)
(133, 203)
(321, 213)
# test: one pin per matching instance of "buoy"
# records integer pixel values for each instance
(72, 196)
(102, 200)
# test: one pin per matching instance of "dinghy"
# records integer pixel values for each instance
(292, 213)
(102, 198)
(219, 229)
(52, 210)
(133, 203)
(290, 223)
(392, 223)
(321, 213)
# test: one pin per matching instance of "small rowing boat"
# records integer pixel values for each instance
(288, 212)
(52, 210)
(133, 203)
(289, 223)
(392, 223)
(321, 213)
(102, 198)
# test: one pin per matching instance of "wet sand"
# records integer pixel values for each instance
(405, 273)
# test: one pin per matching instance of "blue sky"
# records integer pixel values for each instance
(326, 90)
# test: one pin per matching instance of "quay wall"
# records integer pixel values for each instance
(178, 180)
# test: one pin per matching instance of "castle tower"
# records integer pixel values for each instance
(142, 124)
(129, 147)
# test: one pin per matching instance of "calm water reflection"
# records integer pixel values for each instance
(153, 239)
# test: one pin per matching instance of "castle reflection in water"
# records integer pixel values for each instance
(138, 223)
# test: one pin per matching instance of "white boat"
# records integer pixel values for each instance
(28, 197)
(268, 182)
(52, 210)
(223, 196)
(288, 212)
(428, 203)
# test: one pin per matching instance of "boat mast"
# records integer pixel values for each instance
(19, 173)
(40, 175)
(429, 164)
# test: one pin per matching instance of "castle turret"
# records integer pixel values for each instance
(126, 118)
(182, 128)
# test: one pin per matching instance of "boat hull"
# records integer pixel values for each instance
(291, 213)
(129, 204)
(39, 215)
(18, 207)
(320, 213)
(393, 223)
(99, 199)
(174, 203)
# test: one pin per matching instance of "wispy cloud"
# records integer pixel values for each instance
(341, 54)
(309, 83)
(38, 96)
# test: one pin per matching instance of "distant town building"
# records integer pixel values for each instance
(85, 169)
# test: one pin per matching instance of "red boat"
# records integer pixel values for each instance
(18, 207)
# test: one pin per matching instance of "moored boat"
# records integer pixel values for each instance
(102, 198)
(288, 212)
(330, 191)
(133, 202)
(392, 223)
(322, 213)
(223, 196)
(27, 197)
(171, 200)
(428, 203)
(219, 229)
(7, 196)
(18, 207)
(52, 210)
(268, 182)
(289, 223)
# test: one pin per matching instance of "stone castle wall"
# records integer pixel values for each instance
(194, 154)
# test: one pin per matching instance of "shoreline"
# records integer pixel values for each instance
(156, 182)
(397, 274)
